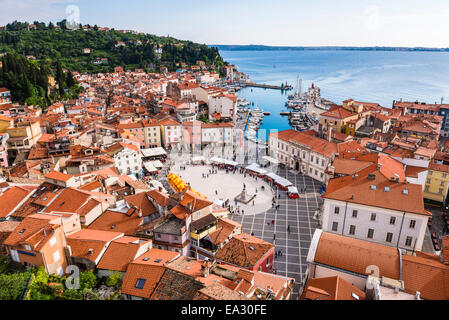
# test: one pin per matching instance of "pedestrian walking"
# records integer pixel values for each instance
(282, 252)
(253, 203)
(288, 228)
(272, 222)
(274, 236)
(275, 255)
(243, 212)
(216, 192)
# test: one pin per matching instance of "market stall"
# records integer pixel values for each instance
(293, 192)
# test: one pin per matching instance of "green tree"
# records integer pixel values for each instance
(12, 285)
(87, 280)
(60, 78)
(72, 294)
(70, 81)
(114, 280)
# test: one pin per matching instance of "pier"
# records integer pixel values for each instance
(265, 86)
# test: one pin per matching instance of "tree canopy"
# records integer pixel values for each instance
(48, 43)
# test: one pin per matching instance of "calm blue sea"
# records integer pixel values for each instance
(371, 76)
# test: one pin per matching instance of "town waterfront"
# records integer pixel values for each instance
(370, 76)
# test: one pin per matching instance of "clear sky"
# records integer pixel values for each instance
(275, 22)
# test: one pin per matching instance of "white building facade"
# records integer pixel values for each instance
(128, 161)
(382, 223)
(303, 154)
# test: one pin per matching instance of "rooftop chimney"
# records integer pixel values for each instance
(205, 268)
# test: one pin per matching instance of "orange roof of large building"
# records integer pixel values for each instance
(379, 192)
(349, 167)
(318, 145)
(356, 255)
(422, 273)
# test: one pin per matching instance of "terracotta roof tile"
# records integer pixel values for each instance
(318, 145)
(174, 285)
(356, 255)
(120, 253)
(117, 221)
(331, 288)
(10, 199)
(244, 250)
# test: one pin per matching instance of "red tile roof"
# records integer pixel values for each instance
(331, 288)
(318, 145)
(11, 198)
(359, 190)
(120, 253)
(244, 250)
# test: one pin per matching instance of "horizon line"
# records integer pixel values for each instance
(328, 46)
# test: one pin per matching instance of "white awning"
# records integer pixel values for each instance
(270, 159)
(283, 182)
(256, 168)
(147, 152)
(292, 190)
(157, 164)
(216, 160)
(159, 151)
(153, 152)
(198, 159)
(231, 163)
(149, 166)
(273, 176)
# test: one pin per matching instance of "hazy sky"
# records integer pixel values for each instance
(274, 22)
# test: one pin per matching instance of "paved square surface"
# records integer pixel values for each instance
(296, 213)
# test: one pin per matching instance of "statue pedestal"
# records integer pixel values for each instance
(244, 197)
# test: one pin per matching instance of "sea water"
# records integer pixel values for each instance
(367, 76)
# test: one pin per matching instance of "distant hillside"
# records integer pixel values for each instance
(95, 50)
(335, 48)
